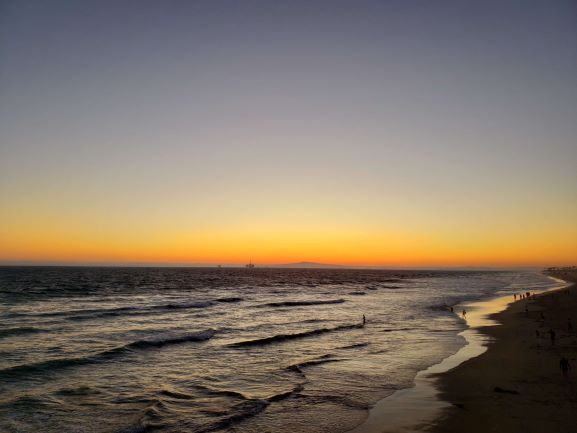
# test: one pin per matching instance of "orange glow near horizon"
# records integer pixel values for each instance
(123, 229)
(64, 242)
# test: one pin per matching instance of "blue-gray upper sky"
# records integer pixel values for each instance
(457, 118)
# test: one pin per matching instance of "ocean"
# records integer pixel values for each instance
(119, 350)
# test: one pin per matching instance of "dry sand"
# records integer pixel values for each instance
(539, 398)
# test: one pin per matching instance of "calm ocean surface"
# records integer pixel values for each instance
(222, 350)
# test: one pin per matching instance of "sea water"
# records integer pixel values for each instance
(220, 350)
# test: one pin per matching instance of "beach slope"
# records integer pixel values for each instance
(517, 385)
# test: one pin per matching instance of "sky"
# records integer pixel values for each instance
(381, 133)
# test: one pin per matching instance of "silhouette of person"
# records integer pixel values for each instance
(452, 311)
(364, 320)
(514, 297)
(464, 312)
(565, 366)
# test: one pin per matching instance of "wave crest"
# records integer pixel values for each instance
(56, 364)
(302, 303)
(286, 337)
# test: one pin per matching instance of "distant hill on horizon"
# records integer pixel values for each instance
(307, 265)
(315, 265)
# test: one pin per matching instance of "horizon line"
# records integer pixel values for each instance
(295, 265)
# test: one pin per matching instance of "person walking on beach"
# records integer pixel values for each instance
(464, 313)
(552, 335)
(565, 366)
(364, 320)
(514, 297)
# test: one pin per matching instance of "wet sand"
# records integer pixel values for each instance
(420, 407)
(517, 384)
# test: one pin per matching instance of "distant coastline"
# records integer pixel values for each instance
(296, 265)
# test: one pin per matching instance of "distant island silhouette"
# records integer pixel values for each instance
(308, 265)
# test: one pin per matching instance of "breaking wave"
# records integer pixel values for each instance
(302, 303)
(286, 337)
(56, 364)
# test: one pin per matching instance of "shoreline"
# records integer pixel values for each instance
(516, 384)
(426, 405)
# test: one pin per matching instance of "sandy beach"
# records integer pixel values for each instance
(517, 385)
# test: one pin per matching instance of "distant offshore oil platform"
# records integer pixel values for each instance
(250, 265)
